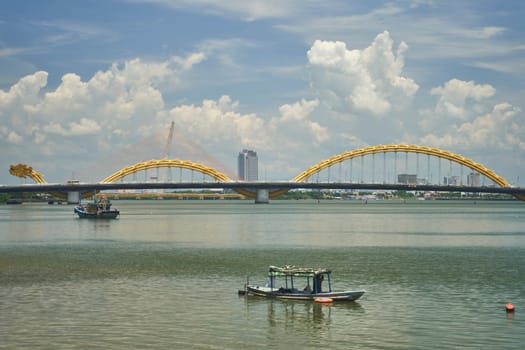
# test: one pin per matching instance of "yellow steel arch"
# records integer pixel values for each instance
(185, 164)
(159, 163)
(402, 148)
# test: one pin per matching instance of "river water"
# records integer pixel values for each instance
(166, 275)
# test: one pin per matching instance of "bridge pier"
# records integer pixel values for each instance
(73, 197)
(262, 196)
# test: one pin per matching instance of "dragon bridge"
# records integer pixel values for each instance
(22, 170)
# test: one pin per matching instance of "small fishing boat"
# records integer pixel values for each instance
(283, 283)
(98, 209)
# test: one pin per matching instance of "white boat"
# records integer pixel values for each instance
(297, 283)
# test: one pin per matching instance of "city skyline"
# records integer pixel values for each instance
(90, 87)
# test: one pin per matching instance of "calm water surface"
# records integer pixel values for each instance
(166, 274)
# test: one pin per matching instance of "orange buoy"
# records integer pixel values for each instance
(323, 300)
(509, 307)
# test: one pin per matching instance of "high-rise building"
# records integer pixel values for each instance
(451, 180)
(248, 165)
(473, 179)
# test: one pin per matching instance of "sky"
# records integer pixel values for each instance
(88, 87)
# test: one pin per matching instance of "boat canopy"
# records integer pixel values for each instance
(296, 271)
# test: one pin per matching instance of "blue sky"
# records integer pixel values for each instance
(87, 87)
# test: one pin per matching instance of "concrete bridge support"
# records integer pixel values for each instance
(263, 196)
(73, 197)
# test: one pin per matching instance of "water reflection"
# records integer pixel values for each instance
(300, 315)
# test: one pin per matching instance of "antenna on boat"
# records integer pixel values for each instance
(245, 290)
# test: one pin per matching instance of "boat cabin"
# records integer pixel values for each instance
(299, 280)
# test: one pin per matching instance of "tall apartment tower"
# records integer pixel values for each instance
(473, 179)
(248, 165)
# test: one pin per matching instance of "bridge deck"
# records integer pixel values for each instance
(253, 186)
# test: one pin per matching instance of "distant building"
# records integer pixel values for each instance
(408, 179)
(451, 180)
(473, 179)
(248, 167)
(422, 181)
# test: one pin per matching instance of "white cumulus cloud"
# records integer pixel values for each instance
(501, 128)
(13, 137)
(369, 80)
(219, 121)
(294, 117)
(113, 108)
(26, 90)
(455, 94)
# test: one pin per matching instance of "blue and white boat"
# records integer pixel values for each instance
(297, 283)
(98, 209)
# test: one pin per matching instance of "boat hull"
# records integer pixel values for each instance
(267, 292)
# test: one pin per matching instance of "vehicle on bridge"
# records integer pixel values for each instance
(283, 281)
(98, 209)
